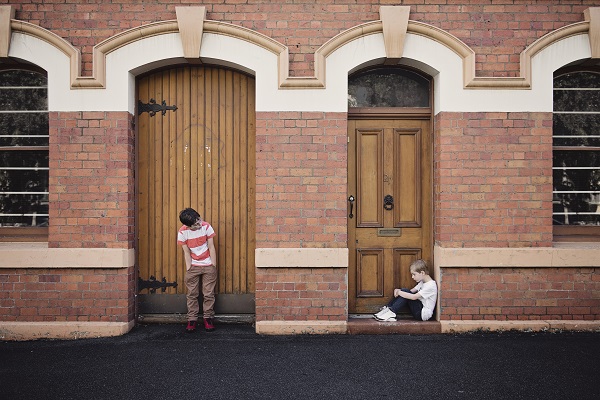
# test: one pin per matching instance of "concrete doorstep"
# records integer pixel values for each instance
(365, 324)
(357, 324)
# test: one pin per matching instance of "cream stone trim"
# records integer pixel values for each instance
(301, 258)
(6, 14)
(190, 21)
(98, 78)
(592, 15)
(38, 255)
(301, 327)
(528, 326)
(560, 256)
(393, 47)
(18, 331)
(470, 81)
(394, 20)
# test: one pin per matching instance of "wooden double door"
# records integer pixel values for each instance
(389, 224)
(195, 148)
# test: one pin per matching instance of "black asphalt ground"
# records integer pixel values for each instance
(163, 362)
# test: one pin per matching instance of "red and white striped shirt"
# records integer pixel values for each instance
(197, 241)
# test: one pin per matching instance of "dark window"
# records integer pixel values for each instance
(23, 150)
(576, 151)
(388, 87)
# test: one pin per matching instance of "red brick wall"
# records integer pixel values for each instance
(493, 179)
(520, 294)
(91, 180)
(301, 179)
(301, 294)
(497, 30)
(93, 295)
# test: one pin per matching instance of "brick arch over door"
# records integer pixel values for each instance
(195, 148)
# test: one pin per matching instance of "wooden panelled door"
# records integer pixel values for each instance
(195, 148)
(389, 179)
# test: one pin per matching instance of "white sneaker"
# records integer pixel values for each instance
(381, 311)
(387, 316)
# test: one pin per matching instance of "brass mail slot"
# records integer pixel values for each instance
(389, 232)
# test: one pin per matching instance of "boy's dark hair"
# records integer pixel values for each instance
(189, 216)
(419, 266)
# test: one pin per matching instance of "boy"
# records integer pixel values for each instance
(196, 239)
(420, 299)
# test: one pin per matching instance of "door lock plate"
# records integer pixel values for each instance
(389, 232)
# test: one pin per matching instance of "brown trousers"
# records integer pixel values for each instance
(192, 283)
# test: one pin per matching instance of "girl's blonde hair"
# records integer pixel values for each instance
(419, 266)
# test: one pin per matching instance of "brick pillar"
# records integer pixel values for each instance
(91, 180)
(493, 179)
(301, 184)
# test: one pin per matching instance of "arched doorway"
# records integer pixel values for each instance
(195, 148)
(389, 182)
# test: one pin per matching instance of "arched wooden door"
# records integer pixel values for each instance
(195, 148)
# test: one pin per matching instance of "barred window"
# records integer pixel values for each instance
(576, 153)
(24, 139)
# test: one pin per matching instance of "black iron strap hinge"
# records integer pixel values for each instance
(152, 108)
(153, 284)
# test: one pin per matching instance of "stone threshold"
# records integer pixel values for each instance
(182, 318)
(365, 324)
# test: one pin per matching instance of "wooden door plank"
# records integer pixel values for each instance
(233, 100)
(201, 134)
(142, 148)
(226, 132)
(176, 162)
(242, 89)
(216, 179)
(181, 193)
(171, 187)
(251, 228)
(155, 182)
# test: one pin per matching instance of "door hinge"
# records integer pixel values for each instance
(154, 284)
(152, 108)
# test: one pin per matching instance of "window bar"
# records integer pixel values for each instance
(24, 168)
(573, 89)
(577, 112)
(572, 213)
(576, 191)
(573, 168)
(23, 111)
(24, 192)
(39, 136)
(24, 215)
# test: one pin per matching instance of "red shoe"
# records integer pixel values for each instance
(191, 326)
(209, 325)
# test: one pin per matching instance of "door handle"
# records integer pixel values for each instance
(351, 200)
(388, 202)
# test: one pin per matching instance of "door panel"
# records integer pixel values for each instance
(389, 171)
(369, 273)
(406, 154)
(200, 155)
(369, 177)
